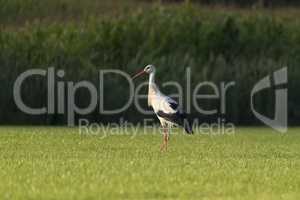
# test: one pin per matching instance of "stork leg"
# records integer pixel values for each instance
(164, 146)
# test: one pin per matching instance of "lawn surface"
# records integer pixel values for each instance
(59, 163)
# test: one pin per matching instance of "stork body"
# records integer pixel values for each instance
(166, 109)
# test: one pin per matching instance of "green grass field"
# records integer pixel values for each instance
(59, 163)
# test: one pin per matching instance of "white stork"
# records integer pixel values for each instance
(165, 108)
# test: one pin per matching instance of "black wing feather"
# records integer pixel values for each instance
(173, 105)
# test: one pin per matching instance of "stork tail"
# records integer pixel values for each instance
(187, 125)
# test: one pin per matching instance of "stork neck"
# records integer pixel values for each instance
(152, 79)
(153, 90)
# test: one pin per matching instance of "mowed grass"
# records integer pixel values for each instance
(59, 163)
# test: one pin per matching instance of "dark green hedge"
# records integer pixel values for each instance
(217, 47)
(243, 3)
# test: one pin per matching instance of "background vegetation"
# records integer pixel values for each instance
(217, 43)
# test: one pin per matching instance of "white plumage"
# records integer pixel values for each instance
(165, 108)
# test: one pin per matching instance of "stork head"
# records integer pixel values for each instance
(147, 70)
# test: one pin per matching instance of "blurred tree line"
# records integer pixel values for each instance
(242, 3)
(217, 47)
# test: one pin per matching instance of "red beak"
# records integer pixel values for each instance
(139, 74)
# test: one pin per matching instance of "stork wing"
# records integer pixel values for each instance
(178, 118)
(169, 105)
(172, 103)
(172, 117)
